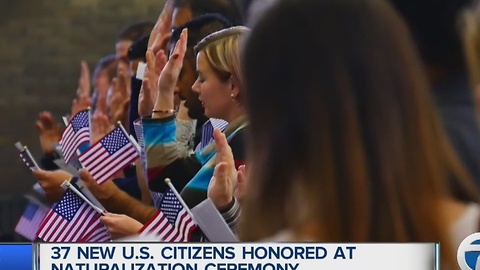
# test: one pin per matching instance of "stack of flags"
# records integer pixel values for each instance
(72, 219)
(76, 219)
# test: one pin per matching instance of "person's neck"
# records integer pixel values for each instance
(234, 113)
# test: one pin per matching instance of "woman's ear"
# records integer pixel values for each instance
(235, 91)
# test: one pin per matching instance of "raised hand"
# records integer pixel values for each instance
(120, 226)
(169, 75)
(224, 181)
(102, 192)
(145, 103)
(241, 183)
(117, 97)
(120, 95)
(168, 78)
(79, 104)
(49, 131)
(155, 65)
(84, 87)
(122, 114)
(101, 105)
(160, 33)
(50, 182)
(148, 93)
(100, 126)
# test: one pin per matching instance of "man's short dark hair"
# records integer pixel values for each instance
(229, 9)
(200, 27)
(138, 49)
(435, 29)
(135, 31)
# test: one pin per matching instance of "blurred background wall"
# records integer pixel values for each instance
(41, 45)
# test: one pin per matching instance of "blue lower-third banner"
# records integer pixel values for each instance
(16, 256)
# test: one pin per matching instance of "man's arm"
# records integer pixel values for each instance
(116, 200)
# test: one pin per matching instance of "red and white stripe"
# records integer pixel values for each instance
(160, 226)
(55, 228)
(71, 140)
(102, 166)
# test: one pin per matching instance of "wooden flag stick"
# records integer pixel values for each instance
(31, 157)
(90, 132)
(65, 120)
(130, 138)
(22, 148)
(66, 184)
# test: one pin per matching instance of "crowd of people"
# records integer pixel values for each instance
(301, 120)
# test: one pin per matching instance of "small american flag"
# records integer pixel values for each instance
(172, 223)
(30, 220)
(76, 134)
(109, 155)
(71, 220)
(99, 233)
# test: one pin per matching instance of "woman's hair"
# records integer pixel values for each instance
(222, 51)
(351, 141)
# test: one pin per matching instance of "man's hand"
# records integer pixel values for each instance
(148, 93)
(160, 33)
(101, 126)
(49, 131)
(241, 183)
(120, 95)
(84, 87)
(169, 75)
(50, 182)
(102, 192)
(120, 226)
(224, 181)
(79, 104)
